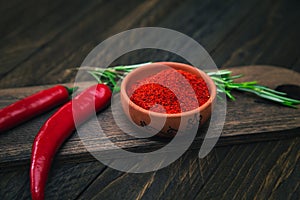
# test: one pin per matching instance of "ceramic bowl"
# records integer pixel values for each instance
(162, 124)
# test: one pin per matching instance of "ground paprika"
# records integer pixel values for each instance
(157, 92)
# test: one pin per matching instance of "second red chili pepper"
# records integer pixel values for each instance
(58, 128)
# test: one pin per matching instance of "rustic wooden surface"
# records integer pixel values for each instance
(40, 42)
(248, 119)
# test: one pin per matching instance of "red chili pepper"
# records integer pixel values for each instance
(31, 106)
(58, 128)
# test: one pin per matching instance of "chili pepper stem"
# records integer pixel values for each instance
(72, 89)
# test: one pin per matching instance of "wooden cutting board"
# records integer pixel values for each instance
(248, 119)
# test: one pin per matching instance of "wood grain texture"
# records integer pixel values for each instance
(20, 16)
(260, 174)
(65, 52)
(270, 170)
(167, 183)
(63, 182)
(246, 121)
(268, 35)
(31, 40)
(40, 41)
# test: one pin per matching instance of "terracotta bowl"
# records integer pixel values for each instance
(162, 124)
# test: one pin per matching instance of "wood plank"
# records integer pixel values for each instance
(7, 5)
(254, 178)
(65, 53)
(267, 35)
(168, 183)
(11, 10)
(296, 66)
(64, 182)
(92, 179)
(224, 163)
(26, 39)
(240, 9)
(174, 180)
(288, 182)
(263, 121)
(256, 171)
(271, 77)
(202, 23)
(23, 15)
(56, 70)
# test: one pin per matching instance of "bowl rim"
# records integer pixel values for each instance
(210, 84)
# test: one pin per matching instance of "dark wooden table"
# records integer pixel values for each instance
(41, 42)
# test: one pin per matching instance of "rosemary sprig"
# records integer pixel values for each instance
(225, 83)
(223, 79)
(111, 75)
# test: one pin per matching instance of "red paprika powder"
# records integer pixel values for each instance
(157, 92)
